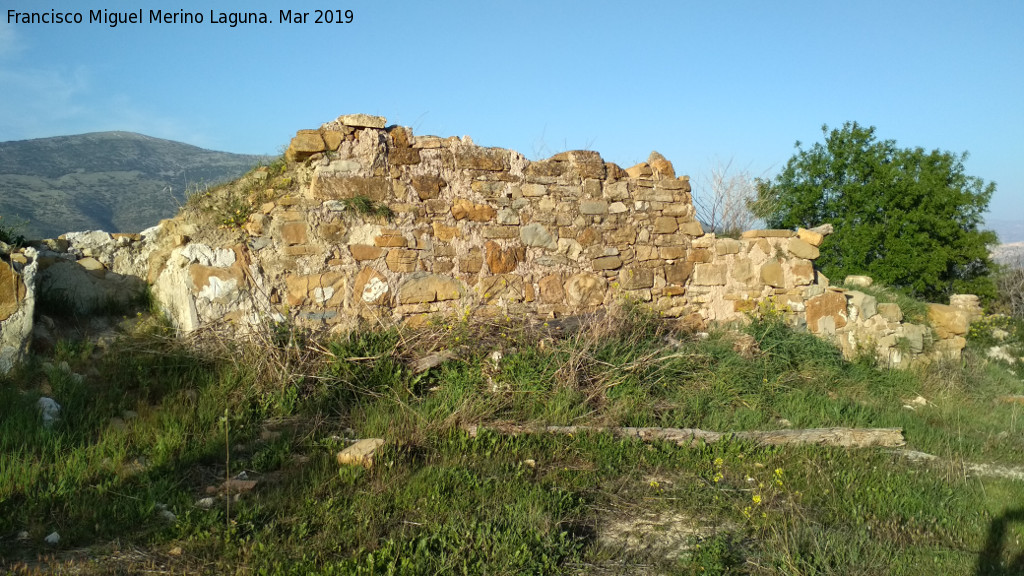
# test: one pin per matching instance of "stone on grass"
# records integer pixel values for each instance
(361, 453)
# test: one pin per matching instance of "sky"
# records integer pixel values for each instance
(705, 83)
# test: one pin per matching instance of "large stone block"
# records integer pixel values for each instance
(422, 288)
(329, 187)
(709, 274)
(535, 234)
(585, 290)
(428, 186)
(503, 260)
(830, 306)
(552, 289)
(463, 209)
(948, 321)
(490, 159)
(636, 278)
(12, 291)
(305, 144)
(362, 121)
(400, 260)
(507, 287)
(371, 287)
(802, 249)
(772, 274)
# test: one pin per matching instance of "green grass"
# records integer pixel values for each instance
(158, 424)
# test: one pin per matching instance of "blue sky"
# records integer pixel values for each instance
(701, 82)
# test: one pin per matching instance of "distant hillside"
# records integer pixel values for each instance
(114, 181)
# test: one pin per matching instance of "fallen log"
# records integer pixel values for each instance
(843, 437)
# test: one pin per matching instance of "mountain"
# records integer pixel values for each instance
(114, 181)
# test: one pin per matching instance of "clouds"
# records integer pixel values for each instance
(10, 42)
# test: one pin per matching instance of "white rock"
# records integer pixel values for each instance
(205, 503)
(52, 538)
(50, 410)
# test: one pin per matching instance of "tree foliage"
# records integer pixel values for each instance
(907, 217)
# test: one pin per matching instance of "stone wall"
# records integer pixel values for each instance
(373, 222)
(17, 303)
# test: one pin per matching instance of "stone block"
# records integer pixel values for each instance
(725, 246)
(709, 274)
(948, 321)
(365, 252)
(472, 262)
(802, 249)
(463, 209)
(861, 306)
(507, 287)
(665, 225)
(801, 273)
(445, 233)
(535, 234)
(858, 280)
(767, 234)
(811, 237)
(552, 289)
(594, 207)
(636, 278)
(361, 453)
(606, 263)
(508, 217)
(772, 274)
(404, 156)
(489, 159)
(692, 228)
(362, 121)
(641, 170)
(293, 233)
(585, 290)
(332, 138)
(327, 187)
(428, 186)
(401, 260)
(12, 291)
(421, 288)
(305, 144)
(503, 260)
(890, 311)
(371, 287)
(390, 239)
(831, 306)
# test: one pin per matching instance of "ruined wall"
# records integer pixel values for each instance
(17, 303)
(374, 222)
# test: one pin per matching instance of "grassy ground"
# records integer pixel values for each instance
(132, 476)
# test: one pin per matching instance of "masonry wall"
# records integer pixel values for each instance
(482, 231)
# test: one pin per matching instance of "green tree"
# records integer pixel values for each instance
(906, 217)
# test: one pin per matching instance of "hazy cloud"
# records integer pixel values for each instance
(10, 44)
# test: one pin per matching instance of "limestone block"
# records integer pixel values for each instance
(673, 253)
(422, 288)
(801, 273)
(216, 284)
(401, 260)
(633, 278)
(862, 306)
(678, 273)
(692, 229)
(361, 453)
(622, 235)
(617, 208)
(371, 287)
(743, 272)
(571, 248)
(472, 262)
(12, 291)
(802, 249)
(661, 166)
(508, 217)
(665, 225)
(772, 274)
(489, 159)
(861, 281)
(915, 335)
(592, 207)
(332, 138)
(641, 170)
(330, 187)
(293, 233)
(969, 303)
(552, 289)
(507, 287)
(390, 239)
(811, 237)
(725, 246)
(503, 260)
(830, 308)
(890, 311)
(585, 290)
(445, 233)
(710, 274)
(606, 263)
(767, 234)
(948, 321)
(535, 234)
(702, 255)
(428, 186)
(305, 144)
(404, 156)
(500, 232)
(463, 209)
(362, 121)
(365, 252)
(324, 289)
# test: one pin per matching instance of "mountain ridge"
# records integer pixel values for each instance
(117, 180)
